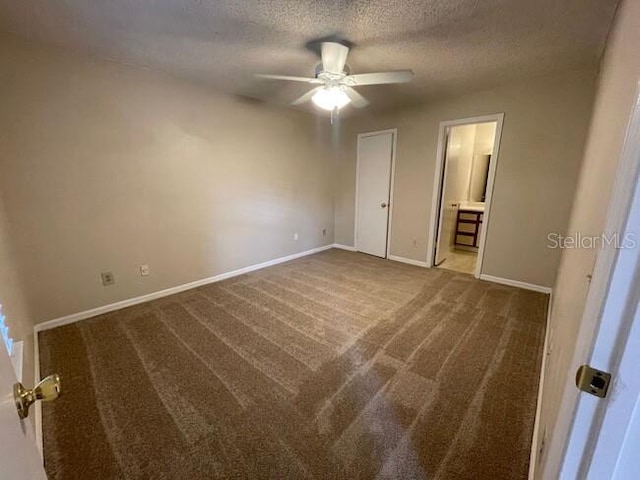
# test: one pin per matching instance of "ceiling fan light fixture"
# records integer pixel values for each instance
(336, 83)
(330, 98)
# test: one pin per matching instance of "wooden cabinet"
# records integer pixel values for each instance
(468, 225)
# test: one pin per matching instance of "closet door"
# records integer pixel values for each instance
(375, 153)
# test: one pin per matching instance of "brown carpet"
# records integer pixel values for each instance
(336, 365)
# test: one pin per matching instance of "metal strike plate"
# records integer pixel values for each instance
(593, 381)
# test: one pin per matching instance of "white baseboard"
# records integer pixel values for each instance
(344, 247)
(410, 261)
(533, 458)
(75, 317)
(516, 283)
(38, 405)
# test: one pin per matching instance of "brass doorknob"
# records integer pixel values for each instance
(48, 389)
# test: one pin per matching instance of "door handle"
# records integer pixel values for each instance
(47, 390)
(383, 205)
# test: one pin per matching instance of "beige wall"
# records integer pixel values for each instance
(616, 93)
(545, 125)
(12, 296)
(485, 137)
(106, 168)
(460, 161)
(456, 182)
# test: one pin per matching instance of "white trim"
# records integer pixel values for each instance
(344, 247)
(38, 405)
(437, 180)
(75, 317)
(390, 202)
(516, 283)
(489, 194)
(355, 210)
(392, 177)
(410, 261)
(437, 183)
(533, 456)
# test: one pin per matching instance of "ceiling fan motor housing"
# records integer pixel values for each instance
(320, 70)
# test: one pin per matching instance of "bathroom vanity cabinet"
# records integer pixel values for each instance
(468, 227)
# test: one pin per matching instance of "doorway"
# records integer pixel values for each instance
(465, 170)
(374, 191)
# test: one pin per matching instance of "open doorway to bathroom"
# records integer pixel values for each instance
(465, 170)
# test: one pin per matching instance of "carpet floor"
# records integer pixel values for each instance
(333, 366)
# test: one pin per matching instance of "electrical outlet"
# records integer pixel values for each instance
(144, 270)
(295, 236)
(107, 278)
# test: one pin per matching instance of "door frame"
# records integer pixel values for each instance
(440, 171)
(390, 203)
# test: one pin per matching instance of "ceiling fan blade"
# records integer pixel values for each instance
(306, 97)
(334, 56)
(399, 76)
(288, 77)
(357, 100)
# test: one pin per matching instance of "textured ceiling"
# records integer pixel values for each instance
(453, 46)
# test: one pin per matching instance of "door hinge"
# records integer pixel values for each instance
(593, 381)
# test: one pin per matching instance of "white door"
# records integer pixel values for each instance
(604, 442)
(19, 458)
(448, 207)
(617, 450)
(375, 154)
(611, 447)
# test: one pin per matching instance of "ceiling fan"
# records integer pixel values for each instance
(335, 82)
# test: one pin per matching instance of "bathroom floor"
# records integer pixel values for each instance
(460, 261)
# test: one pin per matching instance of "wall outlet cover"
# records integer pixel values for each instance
(144, 270)
(107, 278)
